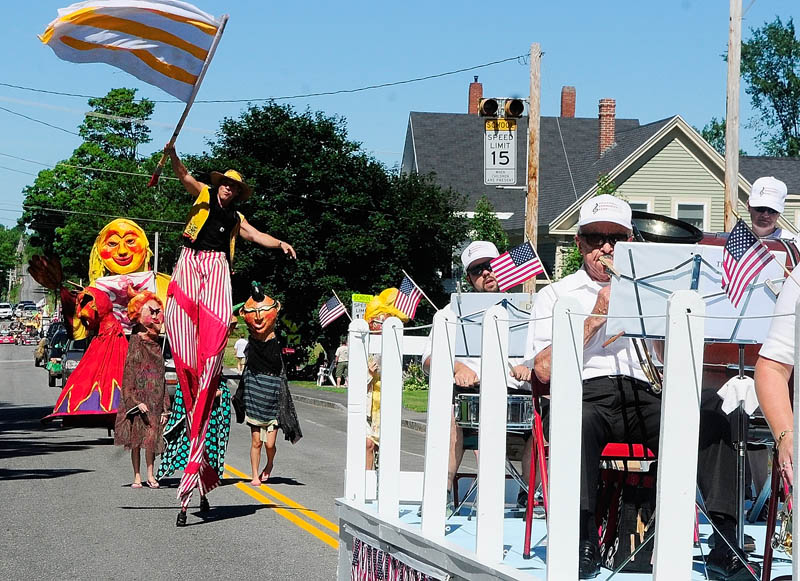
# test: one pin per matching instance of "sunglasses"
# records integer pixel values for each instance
(261, 309)
(477, 269)
(597, 239)
(765, 210)
(154, 311)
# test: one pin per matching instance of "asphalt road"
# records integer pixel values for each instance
(67, 510)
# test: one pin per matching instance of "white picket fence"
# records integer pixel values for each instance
(677, 458)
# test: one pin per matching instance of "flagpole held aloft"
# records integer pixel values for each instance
(341, 303)
(420, 290)
(160, 167)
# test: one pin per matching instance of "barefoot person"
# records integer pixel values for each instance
(145, 405)
(261, 381)
(199, 305)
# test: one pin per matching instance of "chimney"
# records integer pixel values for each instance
(607, 118)
(475, 96)
(568, 102)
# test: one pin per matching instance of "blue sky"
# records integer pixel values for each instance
(657, 59)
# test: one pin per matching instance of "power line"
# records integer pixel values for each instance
(39, 121)
(101, 215)
(86, 167)
(289, 97)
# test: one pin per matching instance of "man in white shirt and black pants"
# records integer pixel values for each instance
(619, 404)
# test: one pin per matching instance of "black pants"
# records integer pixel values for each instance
(624, 409)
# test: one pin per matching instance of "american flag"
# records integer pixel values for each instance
(742, 259)
(408, 298)
(516, 266)
(330, 311)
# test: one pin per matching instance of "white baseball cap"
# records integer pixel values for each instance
(769, 192)
(478, 250)
(605, 208)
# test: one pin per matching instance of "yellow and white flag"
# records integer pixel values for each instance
(162, 42)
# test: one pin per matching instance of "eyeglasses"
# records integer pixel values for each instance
(764, 210)
(477, 269)
(260, 309)
(598, 239)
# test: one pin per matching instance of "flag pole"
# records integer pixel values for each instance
(160, 167)
(775, 258)
(544, 271)
(420, 290)
(341, 303)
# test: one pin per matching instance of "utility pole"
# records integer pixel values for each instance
(155, 256)
(732, 114)
(532, 198)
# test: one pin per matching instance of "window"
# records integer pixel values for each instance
(694, 214)
(640, 206)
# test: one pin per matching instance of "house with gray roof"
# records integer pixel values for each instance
(664, 167)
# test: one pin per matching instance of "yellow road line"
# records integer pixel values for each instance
(258, 494)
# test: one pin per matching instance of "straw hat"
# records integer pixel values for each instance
(234, 176)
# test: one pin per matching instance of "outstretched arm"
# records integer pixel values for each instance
(250, 233)
(192, 186)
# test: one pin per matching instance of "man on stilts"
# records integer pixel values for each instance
(199, 306)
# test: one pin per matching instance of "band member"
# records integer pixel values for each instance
(199, 303)
(765, 205)
(476, 259)
(619, 404)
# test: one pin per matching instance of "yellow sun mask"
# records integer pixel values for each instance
(120, 248)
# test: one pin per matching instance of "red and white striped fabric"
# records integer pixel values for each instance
(198, 316)
(743, 257)
(408, 297)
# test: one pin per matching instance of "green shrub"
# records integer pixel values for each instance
(414, 378)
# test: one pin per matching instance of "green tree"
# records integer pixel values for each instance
(714, 133)
(485, 225)
(354, 226)
(9, 238)
(770, 66)
(67, 205)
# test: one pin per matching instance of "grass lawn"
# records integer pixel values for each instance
(416, 400)
(412, 400)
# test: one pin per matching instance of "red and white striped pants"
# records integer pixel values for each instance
(198, 316)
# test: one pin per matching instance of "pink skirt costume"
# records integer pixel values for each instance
(198, 313)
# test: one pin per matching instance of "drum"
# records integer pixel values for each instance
(519, 415)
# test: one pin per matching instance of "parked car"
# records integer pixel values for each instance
(6, 312)
(72, 356)
(21, 306)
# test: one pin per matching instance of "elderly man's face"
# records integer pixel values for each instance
(764, 219)
(481, 277)
(596, 240)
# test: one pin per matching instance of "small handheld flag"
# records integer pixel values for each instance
(743, 257)
(330, 311)
(408, 297)
(516, 266)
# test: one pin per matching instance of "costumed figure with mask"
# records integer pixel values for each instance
(120, 258)
(199, 305)
(380, 308)
(144, 406)
(92, 393)
(263, 389)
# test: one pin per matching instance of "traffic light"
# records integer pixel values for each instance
(513, 108)
(508, 108)
(488, 107)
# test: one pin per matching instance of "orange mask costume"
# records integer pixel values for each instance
(93, 389)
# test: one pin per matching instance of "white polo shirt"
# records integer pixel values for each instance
(779, 344)
(619, 358)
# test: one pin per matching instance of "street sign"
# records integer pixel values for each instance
(500, 152)
(359, 305)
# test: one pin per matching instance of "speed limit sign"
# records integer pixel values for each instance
(500, 152)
